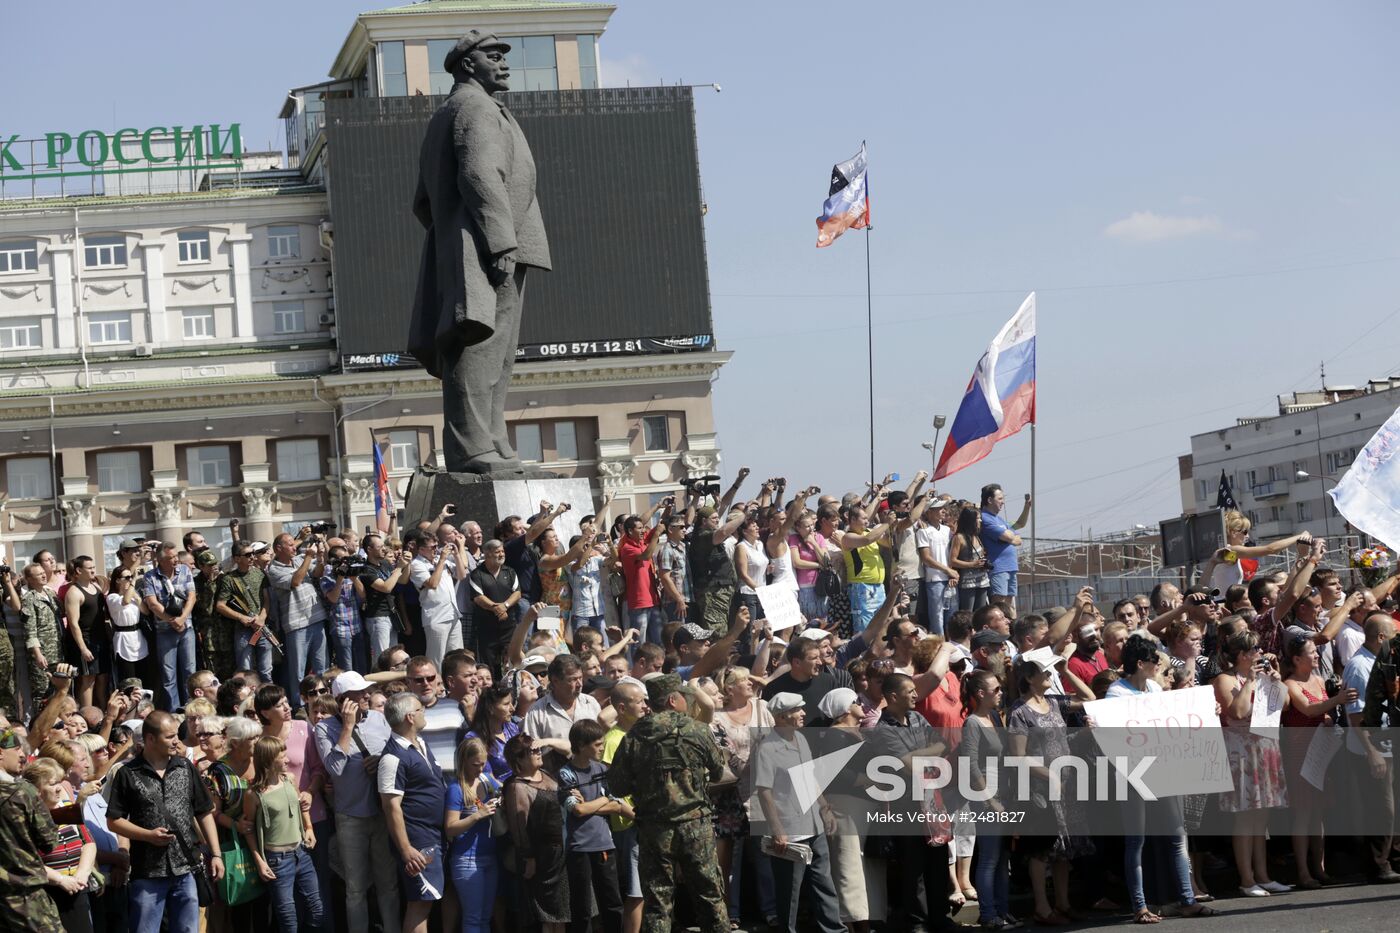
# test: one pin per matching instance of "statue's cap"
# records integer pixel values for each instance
(474, 39)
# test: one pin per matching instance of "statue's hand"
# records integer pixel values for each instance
(502, 269)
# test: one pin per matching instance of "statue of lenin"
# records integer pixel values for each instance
(476, 197)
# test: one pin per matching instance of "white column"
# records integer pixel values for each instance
(154, 261)
(242, 285)
(65, 326)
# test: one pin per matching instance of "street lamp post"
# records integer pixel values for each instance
(938, 422)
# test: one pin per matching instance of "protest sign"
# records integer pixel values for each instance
(1178, 729)
(1270, 697)
(779, 606)
(1326, 741)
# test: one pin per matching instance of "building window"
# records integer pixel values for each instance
(532, 63)
(656, 435)
(439, 80)
(1250, 480)
(19, 256)
(1274, 514)
(284, 242)
(29, 478)
(1304, 511)
(21, 334)
(104, 252)
(199, 323)
(1253, 517)
(527, 442)
(403, 450)
(288, 317)
(1205, 490)
(565, 440)
(119, 471)
(109, 327)
(1339, 459)
(24, 552)
(588, 61)
(299, 459)
(209, 466)
(1275, 474)
(194, 246)
(393, 75)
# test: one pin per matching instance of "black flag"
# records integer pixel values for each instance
(1224, 499)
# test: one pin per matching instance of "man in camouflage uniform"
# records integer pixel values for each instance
(39, 606)
(213, 632)
(666, 763)
(26, 829)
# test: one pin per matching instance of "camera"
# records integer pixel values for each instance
(322, 528)
(349, 566)
(701, 486)
(6, 570)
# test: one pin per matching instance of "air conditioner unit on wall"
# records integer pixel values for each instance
(143, 351)
(327, 319)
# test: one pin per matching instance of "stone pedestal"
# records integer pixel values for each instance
(488, 499)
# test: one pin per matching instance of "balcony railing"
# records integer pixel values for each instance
(1273, 489)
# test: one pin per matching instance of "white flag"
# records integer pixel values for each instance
(1369, 494)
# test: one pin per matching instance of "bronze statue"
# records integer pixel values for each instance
(476, 197)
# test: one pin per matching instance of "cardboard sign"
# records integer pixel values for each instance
(779, 606)
(1270, 697)
(1178, 729)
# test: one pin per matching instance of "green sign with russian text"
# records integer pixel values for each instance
(128, 150)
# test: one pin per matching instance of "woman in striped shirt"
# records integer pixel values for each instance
(69, 865)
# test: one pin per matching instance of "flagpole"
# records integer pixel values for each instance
(1031, 602)
(870, 346)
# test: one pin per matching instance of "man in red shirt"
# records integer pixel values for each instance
(635, 551)
(1088, 658)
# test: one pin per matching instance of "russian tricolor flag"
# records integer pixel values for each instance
(1000, 399)
(383, 496)
(847, 205)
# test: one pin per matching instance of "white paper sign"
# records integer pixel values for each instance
(548, 619)
(1326, 741)
(1178, 729)
(779, 606)
(1270, 697)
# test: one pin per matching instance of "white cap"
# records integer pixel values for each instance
(785, 703)
(348, 682)
(814, 633)
(653, 675)
(535, 660)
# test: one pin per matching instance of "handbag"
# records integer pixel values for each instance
(241, 882)
(828, 583)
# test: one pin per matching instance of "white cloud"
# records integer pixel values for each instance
(632, 71)
(1147, 226)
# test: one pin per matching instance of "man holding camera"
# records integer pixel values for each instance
(299, 606)
(168, 594)
(385, 570)
(344, 593)
(435, 575)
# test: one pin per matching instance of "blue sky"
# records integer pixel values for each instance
(1203, 195)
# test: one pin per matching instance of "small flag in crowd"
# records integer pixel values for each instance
(1369, 494)
(847, 205)
(1000, 399)
(383, 496)
(1224, 498)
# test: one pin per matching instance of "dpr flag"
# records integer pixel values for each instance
(1369, 494)
(1000, 399)
(847, 205)
(383, 496)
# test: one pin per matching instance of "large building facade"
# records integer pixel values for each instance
(1317, 434)
(168, 351)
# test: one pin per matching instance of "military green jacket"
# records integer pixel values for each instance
(666, 762)
(26, 829)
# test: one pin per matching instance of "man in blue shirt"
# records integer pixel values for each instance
(413, 796)
(168, 594)
(1001, 541)
(345, 742)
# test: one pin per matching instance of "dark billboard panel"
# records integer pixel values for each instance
(619, 188)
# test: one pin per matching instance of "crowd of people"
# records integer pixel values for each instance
(444, 730)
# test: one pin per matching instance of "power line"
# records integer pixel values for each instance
(1148, 283)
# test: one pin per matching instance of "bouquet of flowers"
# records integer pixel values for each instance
(1374, 564)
